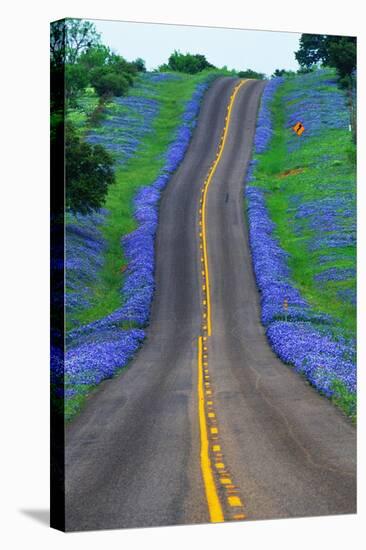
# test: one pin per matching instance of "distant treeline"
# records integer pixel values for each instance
(194, 63)
(79, 61)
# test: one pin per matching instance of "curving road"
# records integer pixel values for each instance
(207, 427)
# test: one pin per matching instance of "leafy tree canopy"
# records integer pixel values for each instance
(78, 56)
(335, 51)
(140, 65)
(93, 57)
(312, 50)
(108, 73)
(70, 38)
(76, 80)
(107, 82)
(186, 63)
(89, 172)
(80, 36)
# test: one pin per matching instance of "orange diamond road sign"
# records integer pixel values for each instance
(298, 128)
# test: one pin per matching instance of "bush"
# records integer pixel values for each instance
(89, 172)
(119, 65)
(139, 64)
(187, 63)
(108, 82)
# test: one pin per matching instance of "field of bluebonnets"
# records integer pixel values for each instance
(300, 197)
(110, 253)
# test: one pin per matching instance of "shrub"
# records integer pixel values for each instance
(187, 63)
(139, 64)
(89, 172)
(108, 82)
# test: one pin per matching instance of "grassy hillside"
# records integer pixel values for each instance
(308, 185)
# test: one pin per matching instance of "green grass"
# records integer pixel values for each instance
(345, 400)
(141, 170)
(311, 173)
(324, 166)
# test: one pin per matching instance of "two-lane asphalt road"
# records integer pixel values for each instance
(204, 426)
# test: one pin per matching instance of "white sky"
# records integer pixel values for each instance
(263, 51)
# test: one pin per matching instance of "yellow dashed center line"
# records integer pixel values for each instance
(225, 481)
(234, 501)
(214, 505)
(221, 493)
(205, 190)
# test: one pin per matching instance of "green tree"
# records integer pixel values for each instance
(76, 80)
(89, 172)
(94, 57)
(107, 82)
(342, 56)
(70, 38)
(187, 63)
(118, 64)
(109, 73)
(335, 51)
(312, 50)
(139, 64)
(80, 36)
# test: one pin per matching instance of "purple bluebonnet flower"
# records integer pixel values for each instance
(270, 267)
(138, 246)
(159, 77)
(302, 337)
(83, 258)
(335, 274)
(96, 350)
(315, 354)
(264, 129)
(126, 121)
(318, 104)
(93, 361)
(348, 295)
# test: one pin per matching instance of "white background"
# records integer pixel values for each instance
(24, 270)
